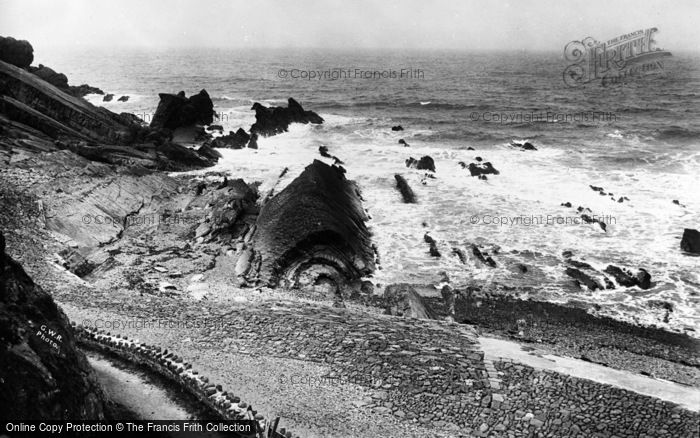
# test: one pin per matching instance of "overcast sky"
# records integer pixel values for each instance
(407, 24)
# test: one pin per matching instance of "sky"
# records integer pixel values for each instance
(532, 25)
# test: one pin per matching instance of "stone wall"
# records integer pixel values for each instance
(174, 368)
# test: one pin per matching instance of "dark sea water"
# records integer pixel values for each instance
(639, 139)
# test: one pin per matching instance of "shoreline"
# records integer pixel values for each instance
(328, 362)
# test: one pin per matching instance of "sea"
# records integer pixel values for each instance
(638, 139)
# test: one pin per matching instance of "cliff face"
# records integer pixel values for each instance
(42, 374)
(27, 99)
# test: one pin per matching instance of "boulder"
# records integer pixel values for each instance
(275, 120)
(313, 229)
(108, 97)
(403, 300)
(16, 52)
(425, 163)
(43, 373)
(123, 99)
(406, 192)
(690, 242)
(397, 128)
(176, 110)
(403, 142)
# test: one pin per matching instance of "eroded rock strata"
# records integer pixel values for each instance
(312, 231)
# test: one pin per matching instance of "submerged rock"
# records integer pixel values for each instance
(42, 373)
(425, 163)
(406, 192)
(275, 120)
(583, 278)
(314, 228)
(480, 169)
(397, 128)
(485, 259)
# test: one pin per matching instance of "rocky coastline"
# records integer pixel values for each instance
(285, 276)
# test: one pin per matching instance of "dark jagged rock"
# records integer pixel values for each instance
(643, 279)
(397, 128)
(16, 52)
(323, 150)
(403, 142)
(108, 97)
(690, 242)
(487, 260)
(433, 245)
(209, 152)
(176, 110)
(425, 163)
(215, 128)
(460, 255)
(584, 278)
(566, 204)
(123, 99)
(275, 120)
(253, 142)
(623, 277)
(314, 228)
(590, 220)
(42, 373)
(234, 140)
(485, 168)
(406, 192)
(403, 300)
(84, 90)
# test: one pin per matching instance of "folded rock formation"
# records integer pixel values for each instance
(311, 233)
